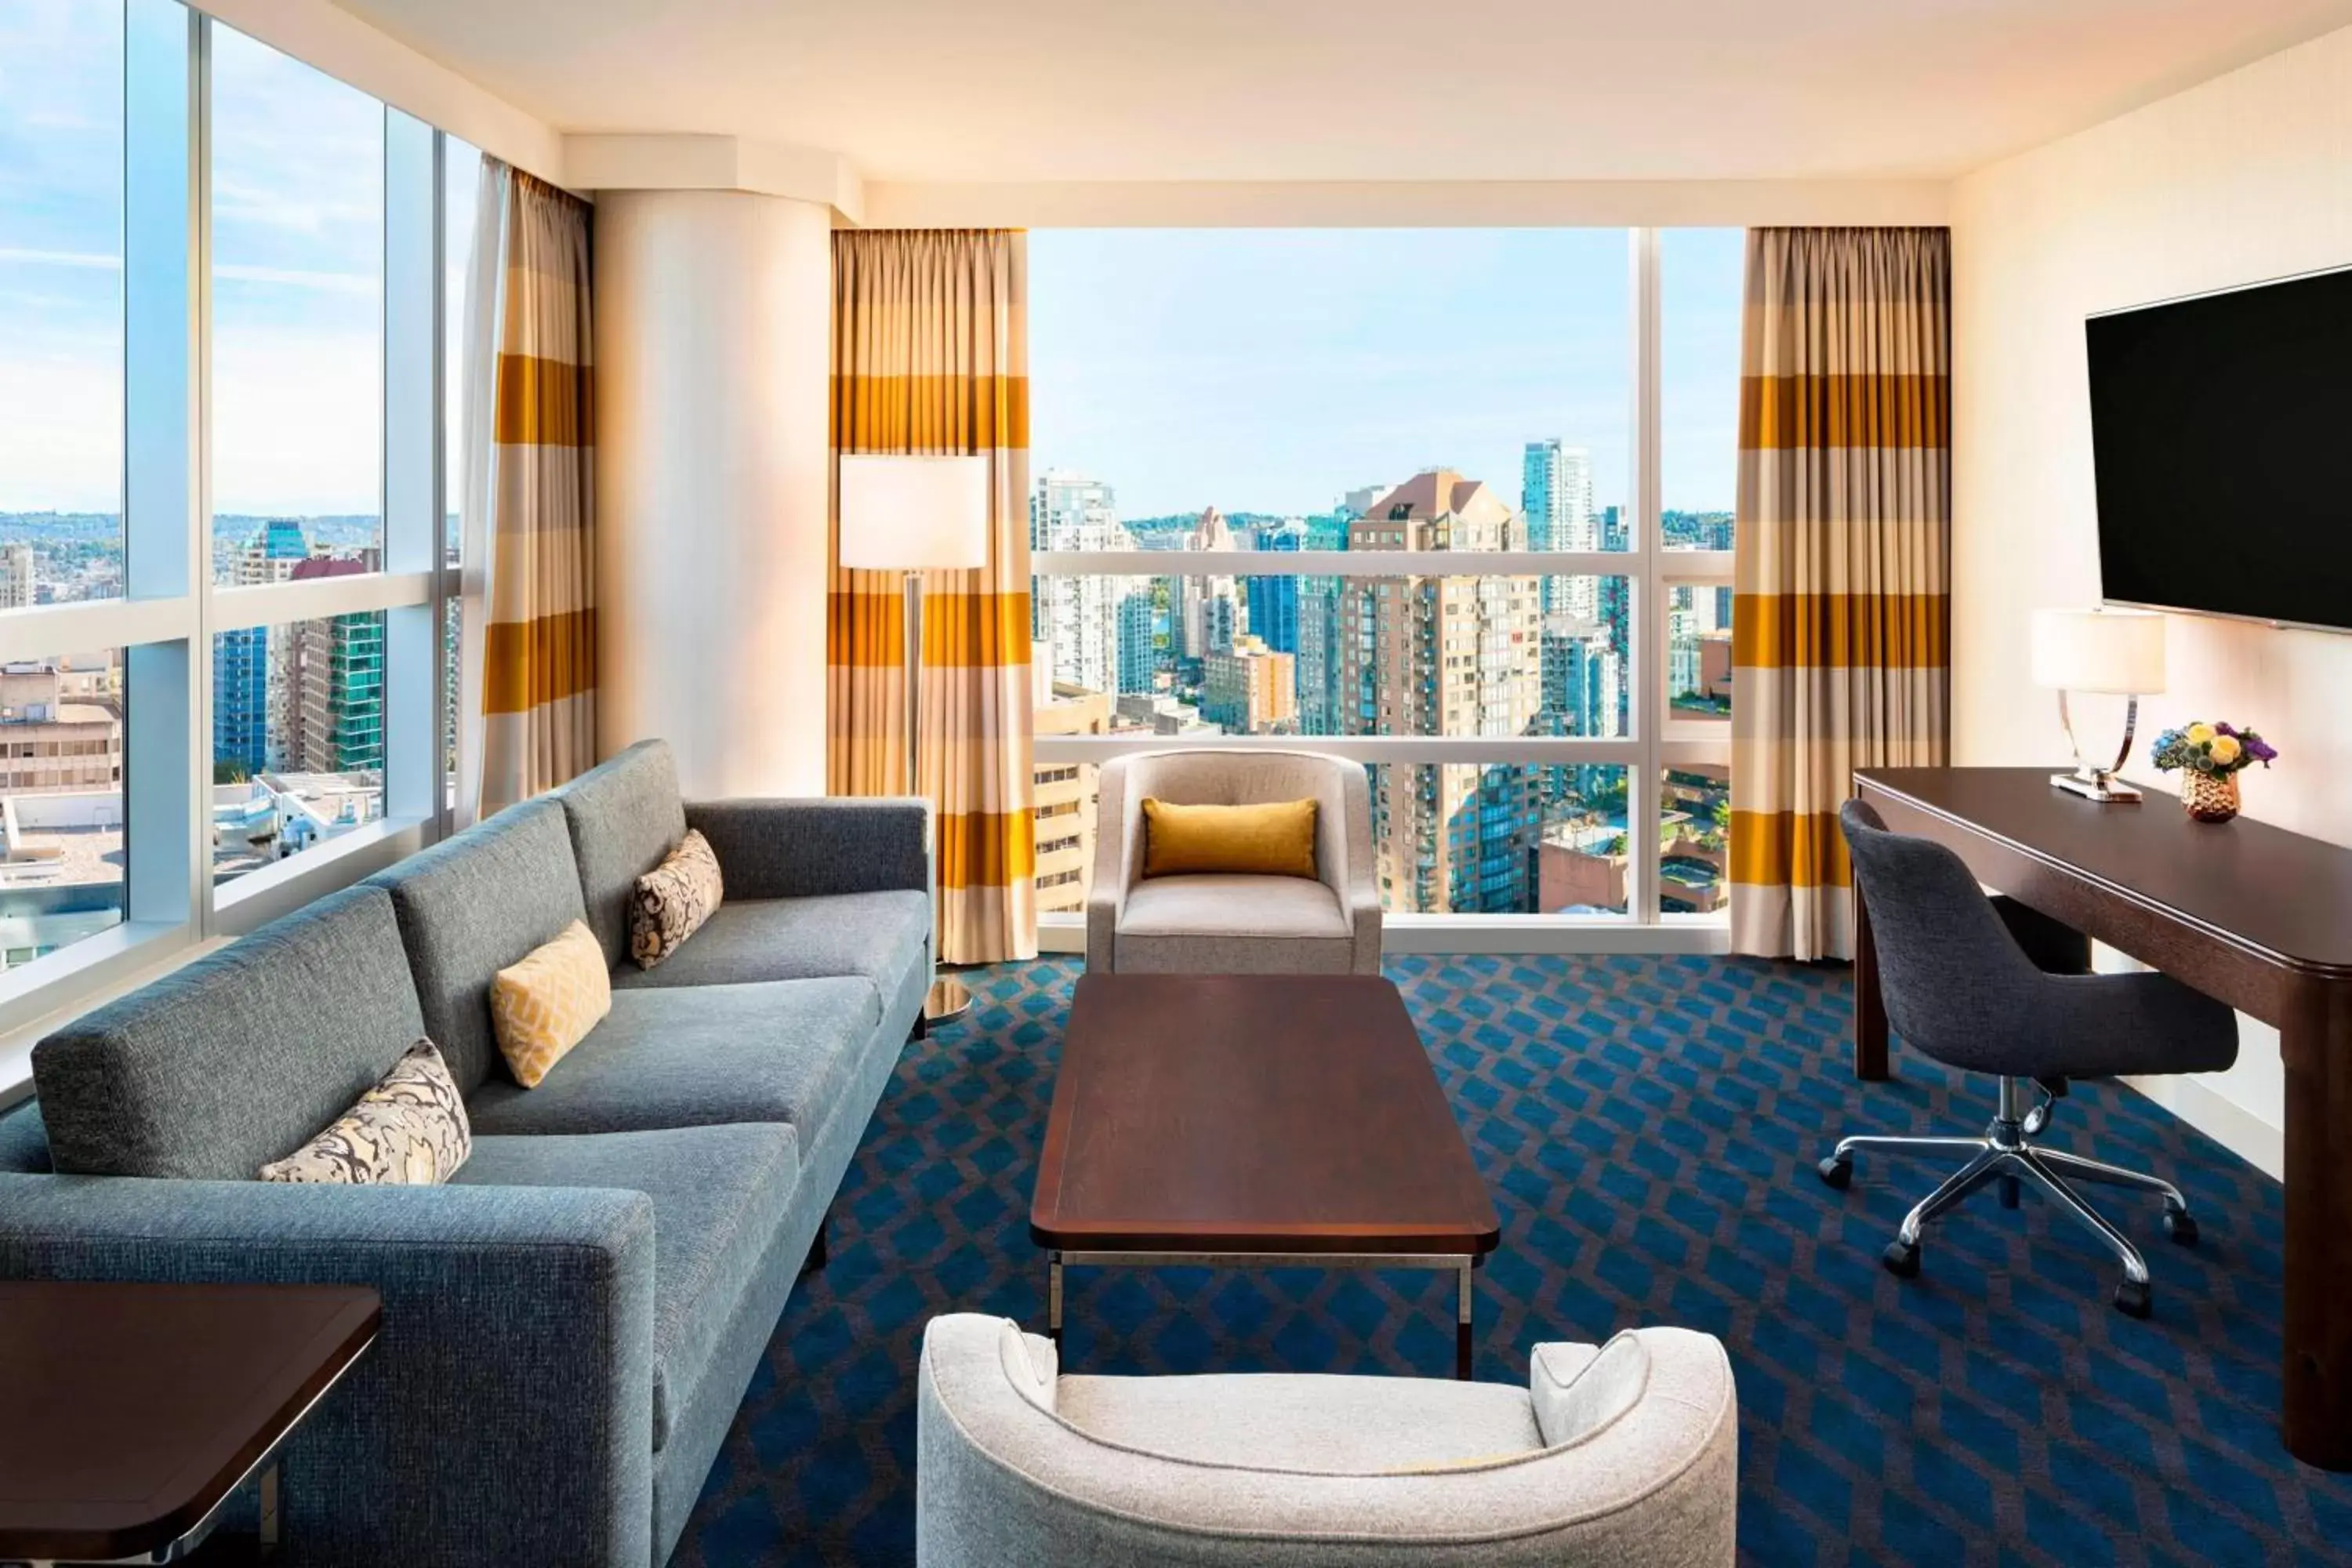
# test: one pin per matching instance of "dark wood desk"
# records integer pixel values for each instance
(134, 1411)
(2252, 914)
(1255, 1120)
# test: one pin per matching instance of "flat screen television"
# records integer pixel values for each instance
(2221, 433)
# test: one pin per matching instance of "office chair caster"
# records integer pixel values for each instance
(1902, 1258)
(2132, 1298)
(2181, 1225)
(1837, 1173)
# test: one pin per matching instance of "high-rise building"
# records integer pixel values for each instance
(1078, 617)
(1250, 689)
(16, 585)
(1061, 800)
(1273, 599)
(1446, 656)
(61, 733)
(249, 685)
(1616, 533)
(1138, 636)
(1556, 506)
(1318, 631)
(338, 678)
(1207, 610)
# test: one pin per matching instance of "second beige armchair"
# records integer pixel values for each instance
(1235, 924)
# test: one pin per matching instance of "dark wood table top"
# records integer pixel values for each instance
(2282, 895)
(1253, 1113)
(132, 1410)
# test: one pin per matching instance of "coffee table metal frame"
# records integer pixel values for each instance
(1463, 1265)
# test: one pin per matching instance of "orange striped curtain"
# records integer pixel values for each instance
(537, 646)
(1841, 629)
(931, 356)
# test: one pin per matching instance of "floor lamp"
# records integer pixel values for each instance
(913, 515)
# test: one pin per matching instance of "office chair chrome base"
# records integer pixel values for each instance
(2007, 1153)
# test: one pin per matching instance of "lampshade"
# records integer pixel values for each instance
(2117, 651)
(914, 514)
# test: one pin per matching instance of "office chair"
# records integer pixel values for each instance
(1969, 981)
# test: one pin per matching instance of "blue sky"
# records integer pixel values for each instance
(1272, 370)
(298, 241)
(1256, 370)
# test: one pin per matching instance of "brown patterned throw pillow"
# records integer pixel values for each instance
(673, 900)
(410, 1130)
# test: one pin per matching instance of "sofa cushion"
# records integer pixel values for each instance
(693, 1058)
(881, 936)
(1580, 1390)
(625, 816)
(1264, 838)
(471, 906)
(23, 1141)
(225, 1064)
(545, 1003)
(1304, 1421)
(674, 900)
(720, 1194)
(408, 1131)
(1220, 924)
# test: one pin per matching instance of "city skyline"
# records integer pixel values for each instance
(1451, 654)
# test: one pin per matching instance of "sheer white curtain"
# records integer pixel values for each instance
(485, 307)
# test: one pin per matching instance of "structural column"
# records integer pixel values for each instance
(713, 313)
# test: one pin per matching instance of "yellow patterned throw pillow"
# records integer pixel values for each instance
(673, 900)
(546, 1005)
(1274, 839)
(410, 1130)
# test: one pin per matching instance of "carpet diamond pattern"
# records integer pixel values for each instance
(1649, 1126)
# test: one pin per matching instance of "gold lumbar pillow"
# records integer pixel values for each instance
(1274, 839)
(546, 1005)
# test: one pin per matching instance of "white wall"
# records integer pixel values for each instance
(713, 310)
(2242, 178)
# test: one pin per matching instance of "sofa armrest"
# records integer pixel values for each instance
(504, 1414)
(1359, 894)
(819, 845)
(1118, 856)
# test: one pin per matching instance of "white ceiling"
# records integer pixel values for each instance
(1354, 89)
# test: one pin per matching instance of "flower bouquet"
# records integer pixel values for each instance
(2211, 757)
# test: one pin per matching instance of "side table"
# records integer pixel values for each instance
(136, 1411)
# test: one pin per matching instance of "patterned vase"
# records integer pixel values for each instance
(2210, 797)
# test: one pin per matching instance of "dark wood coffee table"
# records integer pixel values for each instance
(134, 1411)
(1255, 1120)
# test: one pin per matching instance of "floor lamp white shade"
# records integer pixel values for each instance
(2117, 652)
(915, 514)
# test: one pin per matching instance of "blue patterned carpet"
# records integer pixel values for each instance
(1649, 1127)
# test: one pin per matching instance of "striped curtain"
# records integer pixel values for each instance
(931, 356)
(530, 513)
(1840, 641)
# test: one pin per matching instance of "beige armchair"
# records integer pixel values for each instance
(1621, 1456)
(1235, 924)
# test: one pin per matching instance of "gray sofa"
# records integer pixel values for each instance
(570, 1325)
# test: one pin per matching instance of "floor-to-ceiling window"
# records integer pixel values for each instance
(223, 299)
(1454, 503)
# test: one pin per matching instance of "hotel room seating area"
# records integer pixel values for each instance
(1010, 785)
(569, 1325)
